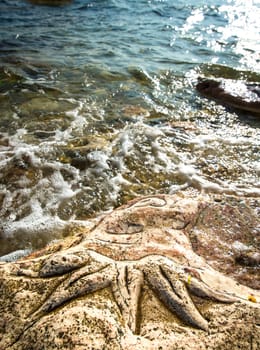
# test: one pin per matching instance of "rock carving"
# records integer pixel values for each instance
(144, 243)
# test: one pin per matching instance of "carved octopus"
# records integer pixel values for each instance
(144, 242)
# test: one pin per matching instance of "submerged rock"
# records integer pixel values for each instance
(236, 94)
(138, 280)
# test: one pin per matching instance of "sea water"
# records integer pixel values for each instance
(98, 105)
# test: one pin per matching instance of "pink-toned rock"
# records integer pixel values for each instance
(139, 280)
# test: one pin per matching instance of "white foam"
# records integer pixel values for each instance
(99, 161)
(37, 221)
(62, 188)
(187, 171)
(15, 255)
(29, 207)
(192, 177)
(126, 144)
(117, 182)
(157, 148)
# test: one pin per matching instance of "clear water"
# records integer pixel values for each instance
(98, 105)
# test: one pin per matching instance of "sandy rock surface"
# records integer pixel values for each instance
(162, 272)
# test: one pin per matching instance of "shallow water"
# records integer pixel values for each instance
(98, 105)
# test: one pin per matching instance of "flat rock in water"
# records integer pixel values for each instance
(235, 94)
(156, 273)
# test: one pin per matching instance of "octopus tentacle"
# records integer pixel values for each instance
(85, 285)
(173, 293)
(126, 289)
(64, 262)
(200, 289)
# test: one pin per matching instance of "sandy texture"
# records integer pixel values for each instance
(139, 280)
